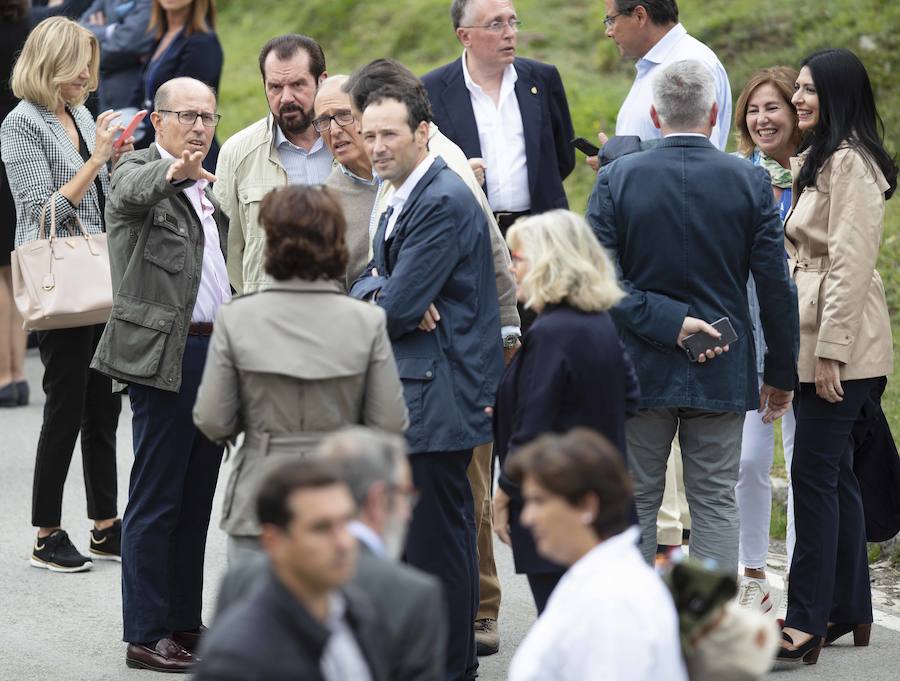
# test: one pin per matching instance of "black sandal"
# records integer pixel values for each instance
(808, 653)
(861, 633)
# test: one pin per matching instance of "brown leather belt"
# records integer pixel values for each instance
(200, 329)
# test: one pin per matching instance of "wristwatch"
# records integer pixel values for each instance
(510, 341)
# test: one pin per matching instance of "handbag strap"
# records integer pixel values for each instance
(52, 235)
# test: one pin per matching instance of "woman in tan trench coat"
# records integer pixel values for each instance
(294, 362)
(842, 178)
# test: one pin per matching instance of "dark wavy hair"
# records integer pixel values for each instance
(418, 108)
(384, 72)
(576, 464)
(286, 46)
(847, 116)
(305, 228)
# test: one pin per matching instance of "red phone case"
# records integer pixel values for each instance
(129, 131)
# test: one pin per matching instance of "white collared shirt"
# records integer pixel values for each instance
(342, 659)
(501, 135)
(610, 617)
(302, 166)
(214, 287)
(676, 45)
(366, 535)
(396, 202)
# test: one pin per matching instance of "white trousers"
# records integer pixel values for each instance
(754, 488)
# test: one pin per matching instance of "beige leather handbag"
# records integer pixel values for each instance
(62, 282)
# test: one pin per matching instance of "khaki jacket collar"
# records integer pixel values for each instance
(317, 286)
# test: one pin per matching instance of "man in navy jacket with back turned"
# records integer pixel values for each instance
(433, 274)
(686, 225)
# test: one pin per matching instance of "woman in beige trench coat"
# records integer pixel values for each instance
(296, 361)
(842, 178)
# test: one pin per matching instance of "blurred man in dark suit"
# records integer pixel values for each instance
(410, 604)
(303, 621)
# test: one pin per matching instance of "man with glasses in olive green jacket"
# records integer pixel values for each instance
(167, 237)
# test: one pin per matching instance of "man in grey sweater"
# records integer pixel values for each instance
(351, 178)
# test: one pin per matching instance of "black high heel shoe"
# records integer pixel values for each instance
(808, 653)
(861, 633)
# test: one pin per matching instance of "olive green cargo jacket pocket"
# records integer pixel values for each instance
(136, 335)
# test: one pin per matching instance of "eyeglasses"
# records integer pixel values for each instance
(342, 118)
(610, 20)
(210, 120)
(498, 26)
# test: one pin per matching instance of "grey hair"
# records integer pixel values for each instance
(458, 10)
(165, 91)
(364, 457)
(683, 94)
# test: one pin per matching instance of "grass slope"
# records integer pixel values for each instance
(746, 34)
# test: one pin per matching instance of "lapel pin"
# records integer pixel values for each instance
(533, 90)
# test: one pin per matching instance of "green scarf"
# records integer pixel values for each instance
(781, 176)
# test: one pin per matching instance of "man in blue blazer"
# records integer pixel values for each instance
(687, 224)
(508, 114)
(433, 274)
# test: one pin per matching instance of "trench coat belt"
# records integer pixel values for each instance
(262, 443)
(810, 264)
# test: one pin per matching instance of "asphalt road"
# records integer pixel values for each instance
(61, 627)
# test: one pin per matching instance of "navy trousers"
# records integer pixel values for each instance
(542, 585)
(170, 497)
(441, 541)
(830, 569)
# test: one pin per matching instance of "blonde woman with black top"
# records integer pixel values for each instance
(53, 151)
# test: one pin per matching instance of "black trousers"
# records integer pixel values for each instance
(170, 498)
(79, 400)
(542, 585)
(830, 569)
(441, 541)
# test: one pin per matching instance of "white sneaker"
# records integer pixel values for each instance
(756, 594)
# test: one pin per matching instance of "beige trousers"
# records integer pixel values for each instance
(488, 582)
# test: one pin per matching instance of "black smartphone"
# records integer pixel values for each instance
(698, 343)
(585, 147)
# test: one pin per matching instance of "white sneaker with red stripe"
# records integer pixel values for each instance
(757, 594)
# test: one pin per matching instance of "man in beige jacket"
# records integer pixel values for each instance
(281, 149)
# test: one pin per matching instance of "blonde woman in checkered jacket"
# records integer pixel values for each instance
(53, 150)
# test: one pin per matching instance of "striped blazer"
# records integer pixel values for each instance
(40, 158)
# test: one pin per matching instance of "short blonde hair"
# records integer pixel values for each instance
(54, 54)
(568, 264)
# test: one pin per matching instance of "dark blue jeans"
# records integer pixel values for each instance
(830, 570)
(170, 497)
(441, 541)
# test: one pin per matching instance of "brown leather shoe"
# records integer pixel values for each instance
(163, 656)
(487, 637)
(189, 640)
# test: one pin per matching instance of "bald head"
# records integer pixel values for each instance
(183, 96)
(172, 88)
(339, 127)
(331, 83)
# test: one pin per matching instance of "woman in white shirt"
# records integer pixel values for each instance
(610, 617)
